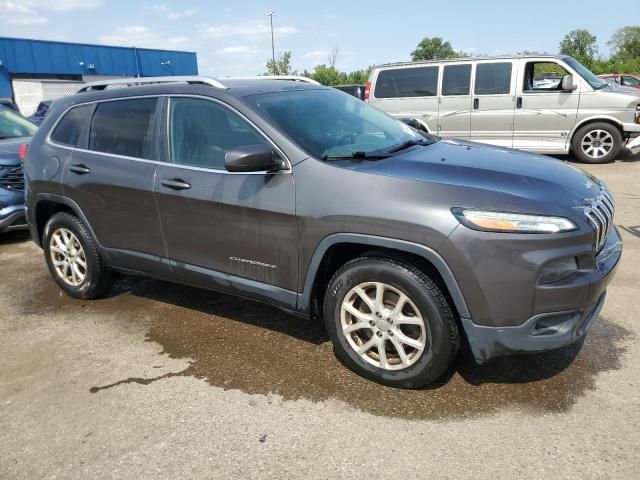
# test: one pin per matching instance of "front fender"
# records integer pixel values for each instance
(430, 255)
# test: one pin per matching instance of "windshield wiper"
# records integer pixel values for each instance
(356, 154)
(408, 144)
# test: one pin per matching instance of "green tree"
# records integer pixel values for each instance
(359, 77)
(434, 48)
(581, 45)
(327, 75)
(626, 42)
(282, 65)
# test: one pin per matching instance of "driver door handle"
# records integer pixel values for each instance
(80, 169)
(175, 184)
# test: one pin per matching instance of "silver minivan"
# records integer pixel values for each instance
(545, 103)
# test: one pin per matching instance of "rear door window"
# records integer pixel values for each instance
(124, 127)
(407, 82)
(70, 127)
(493, 78)
(456, 79)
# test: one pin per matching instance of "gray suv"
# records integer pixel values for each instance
(309, 199)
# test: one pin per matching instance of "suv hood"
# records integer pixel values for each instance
(489, 168)
(9, 150)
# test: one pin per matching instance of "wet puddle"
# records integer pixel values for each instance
(239, 344)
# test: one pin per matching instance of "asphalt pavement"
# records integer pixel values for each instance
(166, 381)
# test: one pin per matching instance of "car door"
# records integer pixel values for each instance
(234, 231)
(544, 113)
(493, 103)
(111, 177)
(408, 93)
(454, 111)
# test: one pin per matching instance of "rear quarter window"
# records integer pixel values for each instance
(407, 82)
(124, 127)
(70, 127)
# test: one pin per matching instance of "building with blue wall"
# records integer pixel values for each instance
(32, 68)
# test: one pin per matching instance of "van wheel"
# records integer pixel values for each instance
(389, 322)
(73, 258)
(597, 143)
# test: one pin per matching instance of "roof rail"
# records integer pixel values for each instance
(292, 78)
(102, 84)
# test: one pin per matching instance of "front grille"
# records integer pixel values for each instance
(12, 178)
(600, 214)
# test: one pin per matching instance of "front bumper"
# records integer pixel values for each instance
(12, 218)
(634, 145)
(552, 329)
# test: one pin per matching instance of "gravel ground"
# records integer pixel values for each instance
(173, 382)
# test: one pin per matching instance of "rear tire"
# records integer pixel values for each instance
(598, 142)
(410, 321)
(73, 258)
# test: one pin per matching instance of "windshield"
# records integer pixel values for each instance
(587, 74)
(329, 123)
(13, 125)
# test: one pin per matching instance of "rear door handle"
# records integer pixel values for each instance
(519, 102)
(176, 184)
(80, 169)
(476, 103)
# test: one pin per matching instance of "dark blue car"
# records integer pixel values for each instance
(38, 116)
(15, 131)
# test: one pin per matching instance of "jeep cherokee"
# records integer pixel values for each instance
(307, 198)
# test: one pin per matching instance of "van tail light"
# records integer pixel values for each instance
(367, 90)
(22, 151)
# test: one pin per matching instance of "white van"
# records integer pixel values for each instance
(546, 103)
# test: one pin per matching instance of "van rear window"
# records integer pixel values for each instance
(456, 79)
(407, 82)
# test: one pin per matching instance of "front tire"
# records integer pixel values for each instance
(598, 142)
(73, 258)
(390, 323)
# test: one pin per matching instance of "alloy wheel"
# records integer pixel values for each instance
(68, 257)
(383, 326)
(597, 143)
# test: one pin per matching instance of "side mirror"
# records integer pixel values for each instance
(251, 158)
(567, 84)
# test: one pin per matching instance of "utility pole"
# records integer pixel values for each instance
(273, 49)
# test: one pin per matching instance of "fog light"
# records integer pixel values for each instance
(558, 270)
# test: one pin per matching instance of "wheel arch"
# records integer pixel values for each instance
(336, 249)
(600, 119)
(46, 205)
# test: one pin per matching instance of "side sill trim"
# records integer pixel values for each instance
(201, 277)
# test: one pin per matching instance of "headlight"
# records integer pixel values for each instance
(638, 113)
(513, 222)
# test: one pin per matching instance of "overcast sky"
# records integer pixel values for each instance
(232, 38)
